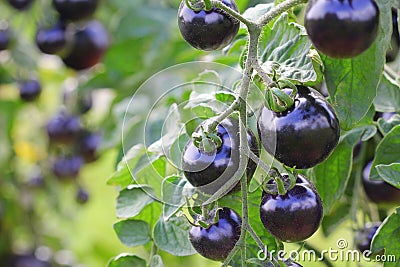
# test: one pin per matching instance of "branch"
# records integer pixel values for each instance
(277, 10)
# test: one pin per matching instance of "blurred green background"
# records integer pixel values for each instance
(145, 39)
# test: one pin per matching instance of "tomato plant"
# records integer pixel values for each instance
(162, 101)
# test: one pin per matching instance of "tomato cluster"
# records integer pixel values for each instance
(302, 136)
(81, 44)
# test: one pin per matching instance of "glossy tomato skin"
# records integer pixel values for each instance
(20, 4)
(342, 28)
(51, 40)
(88, 46)
(209, 171)
(393, 51)
(302, 136)
(208, 30)
(295, 216)
(75, 9)
(218, 240)
(379, 191)
(30, 90)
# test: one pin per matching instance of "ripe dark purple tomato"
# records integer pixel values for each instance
(88, 145)
(67, 167)
(218, 240)
(342, 28)
(365, 235)
(75, 9)
(208, 30)
(379, 191)
(209, 171)
(305, 134)
(5, 38)
(63, 128)
(20, 4)
(88, 46)
(51, 40)
(25, 261)
(82, 196)
(29, 90)
(295, 216)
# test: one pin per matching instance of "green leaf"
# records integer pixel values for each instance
(254, 13)
(386, 126)
(388, 97)
(172, 236)
(340, 212)
(176, 150)
(235, 202)
(127, 260)
(388, 237)
(288, 46)
(387, 151)
(132, 232)
(150, 170)
(331, 176)
(173, 195)
(132, 200)
(352, 83)
(122, 176)
(226, 97)
(390, 173)
(203, 111)
(156, 261)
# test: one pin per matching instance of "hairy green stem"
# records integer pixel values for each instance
(207, 4)
(277, 10)
(218, 4)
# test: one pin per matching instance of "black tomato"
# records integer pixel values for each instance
(218, 240)
(75, 9)
(295, 216)
(63, 128)
(5, 38)
(364, 236)
(29, 90)
(208, 30)
(67, 167)
(82, 196)
(88, 144)
(342, 28)
(52, 40)
(393, 50)
(88, 46)
(209, 171)
(25, 261)
(20, 4)
(305, 134)
(379, 191)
